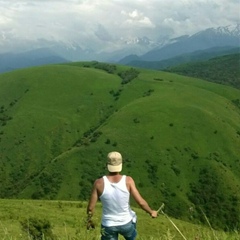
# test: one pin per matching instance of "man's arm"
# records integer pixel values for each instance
(93, 199)
(139, 199)
(91, 206)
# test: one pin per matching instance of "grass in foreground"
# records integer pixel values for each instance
(68, 222)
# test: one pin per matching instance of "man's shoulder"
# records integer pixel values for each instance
(129, 179)
(98, 186)
(99, 181)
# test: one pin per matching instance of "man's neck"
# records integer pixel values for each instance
(113, 173)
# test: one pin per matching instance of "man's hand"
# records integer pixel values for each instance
(90, 223)
(154, 214)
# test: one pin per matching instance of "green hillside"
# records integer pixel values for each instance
(179, 137)
(223, 70)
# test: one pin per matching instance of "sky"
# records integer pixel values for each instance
(93, 22)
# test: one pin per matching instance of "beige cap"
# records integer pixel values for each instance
(114, 162)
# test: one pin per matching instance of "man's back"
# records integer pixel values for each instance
(115, 202)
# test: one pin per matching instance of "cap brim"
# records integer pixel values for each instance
(112, 168)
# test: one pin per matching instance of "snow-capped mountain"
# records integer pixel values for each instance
(231, 30)
(206, 39)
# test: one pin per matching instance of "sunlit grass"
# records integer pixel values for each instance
(68, 220)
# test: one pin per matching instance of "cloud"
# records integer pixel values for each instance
(93, 22)
(102, 33)
(137, 19)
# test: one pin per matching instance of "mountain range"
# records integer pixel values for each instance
(133, 50)
(207, 39)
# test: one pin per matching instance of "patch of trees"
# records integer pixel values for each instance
(89, 174)
(116, 94)
(136, 120)
(108, 141)
(209, 197)
(148, 93)
(152, 169)
(17, 175)
(174, 206)
(48, 185)
(223, 70)
(128, 75)
(109, 68)
(16, 179)
(236, 102)
(89, 136)
(2, 109)
(158, 79)
(175, 168)
(87, 139)
(4, 118)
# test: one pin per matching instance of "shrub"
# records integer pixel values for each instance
(236, 102)
(37, 228)
(135, 120)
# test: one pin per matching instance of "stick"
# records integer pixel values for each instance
(161, 207)
(160, 210)
(208, 223)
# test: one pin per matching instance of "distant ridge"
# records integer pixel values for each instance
(199, 55)
(37, 57)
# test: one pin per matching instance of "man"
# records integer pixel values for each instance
(114, 191)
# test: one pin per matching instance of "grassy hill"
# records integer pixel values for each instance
(222, 70)
(179, 137)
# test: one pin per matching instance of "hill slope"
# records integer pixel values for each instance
(223, 70)
(179, 136)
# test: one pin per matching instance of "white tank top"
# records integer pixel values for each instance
(115, 202)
